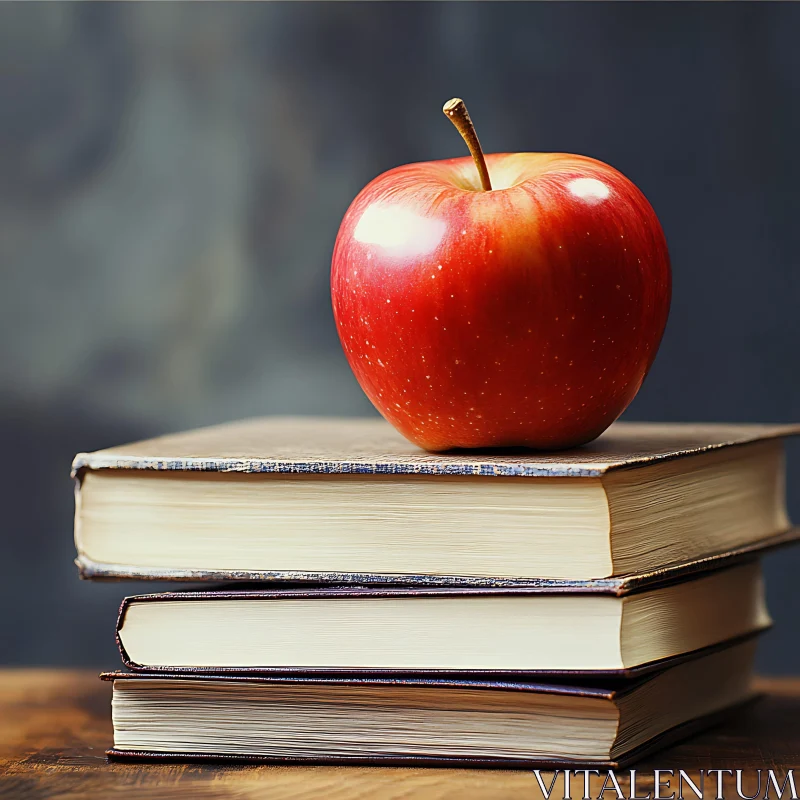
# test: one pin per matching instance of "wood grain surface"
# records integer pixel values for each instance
(55, 726)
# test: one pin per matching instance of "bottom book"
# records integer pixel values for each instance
(423, 721)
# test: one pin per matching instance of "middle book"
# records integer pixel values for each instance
(619, 627)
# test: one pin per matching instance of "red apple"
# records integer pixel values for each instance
(527, 315)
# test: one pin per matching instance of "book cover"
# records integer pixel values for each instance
(336, 445)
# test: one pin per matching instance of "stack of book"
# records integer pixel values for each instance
(380, 603)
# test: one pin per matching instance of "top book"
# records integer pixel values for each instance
(343, 500)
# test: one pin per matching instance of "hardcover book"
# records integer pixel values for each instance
(435, 631)
(414, 721)
(343, 501)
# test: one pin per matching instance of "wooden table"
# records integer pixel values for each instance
(55, 726)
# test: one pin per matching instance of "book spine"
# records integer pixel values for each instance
(120, 646)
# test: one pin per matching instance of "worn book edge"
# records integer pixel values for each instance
(592, 460)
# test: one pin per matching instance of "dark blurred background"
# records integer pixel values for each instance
(172, 177)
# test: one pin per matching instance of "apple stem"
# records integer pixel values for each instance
(457, 113)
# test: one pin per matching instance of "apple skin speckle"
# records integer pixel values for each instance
(557, 285)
